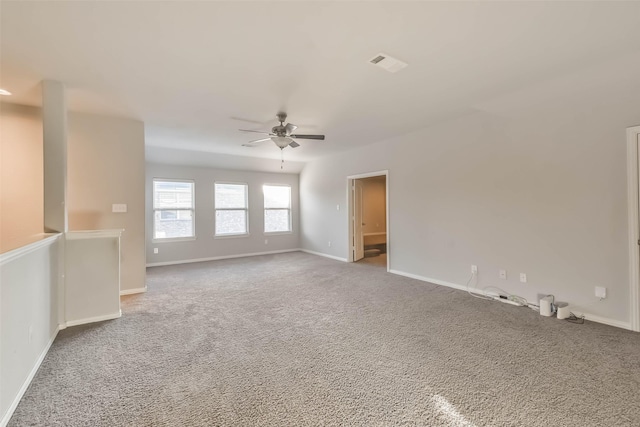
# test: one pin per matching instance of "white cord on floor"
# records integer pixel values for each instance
(476, 295)
(518, 300)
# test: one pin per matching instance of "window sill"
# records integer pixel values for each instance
(230, 236)
(173, 239)
(275, 233)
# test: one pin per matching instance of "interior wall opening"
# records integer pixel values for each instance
(368, 214)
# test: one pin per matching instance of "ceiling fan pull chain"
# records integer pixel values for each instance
(282, 159)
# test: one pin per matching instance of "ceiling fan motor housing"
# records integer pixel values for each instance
(279, 130)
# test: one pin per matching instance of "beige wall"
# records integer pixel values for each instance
(374, 205)
(21, 181)
(106, 166)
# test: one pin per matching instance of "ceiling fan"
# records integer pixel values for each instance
(282, 135)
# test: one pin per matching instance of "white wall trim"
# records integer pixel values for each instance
(590, 317)
(27, 381)
(93, 234)
(605, 320)
(434, 281)
(133, 291)
(94, 319)
(337, 258)
(43, 240)
(216, 258)
(369, 174)
(633, 135)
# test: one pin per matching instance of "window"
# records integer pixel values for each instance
(277, 208)
(231, 209)
(173, 204)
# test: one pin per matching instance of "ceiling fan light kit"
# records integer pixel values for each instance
(281, 141)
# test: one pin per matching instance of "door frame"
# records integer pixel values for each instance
(358, 216)
(633, 187)
(350, 210)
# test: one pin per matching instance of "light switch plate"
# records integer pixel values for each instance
(119, 208)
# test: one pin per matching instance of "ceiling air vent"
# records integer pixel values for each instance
(388, 63)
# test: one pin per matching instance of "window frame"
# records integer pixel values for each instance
(216, 209)
(155, 239)
(265, 209)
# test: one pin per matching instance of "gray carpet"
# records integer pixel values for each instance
(300, 340)
(378, 261)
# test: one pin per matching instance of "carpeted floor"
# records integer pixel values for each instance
(299, 340)
(378, 261)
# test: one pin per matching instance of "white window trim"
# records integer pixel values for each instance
(172, 239)
(246, 211)
(155, 239)
(274, 233)
(231, 236)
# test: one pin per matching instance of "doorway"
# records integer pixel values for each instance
(368, 201)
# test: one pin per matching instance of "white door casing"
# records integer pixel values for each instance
(633, 188)
(358, 238)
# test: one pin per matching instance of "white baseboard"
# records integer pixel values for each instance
(324, 255)
(605, 320)
(216, 258)
(14, 404)
(434, 281)
(133, 291)
(587, 316)
(94, 319)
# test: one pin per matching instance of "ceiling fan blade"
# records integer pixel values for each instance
(290, 128)
(255, 131)
(319, 137)
(255, 142)
(255, 122)
(294, 144)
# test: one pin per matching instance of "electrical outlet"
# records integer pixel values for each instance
(337, 207)
(523, 277)
(502, 274)
(329, 244)
(155, 250)
(474, 269)
(266, 241)
(601, 292)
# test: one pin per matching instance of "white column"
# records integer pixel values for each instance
(54, 118)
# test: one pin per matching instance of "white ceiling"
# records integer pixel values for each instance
(195, 72)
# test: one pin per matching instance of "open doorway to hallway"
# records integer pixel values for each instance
(368, 214)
